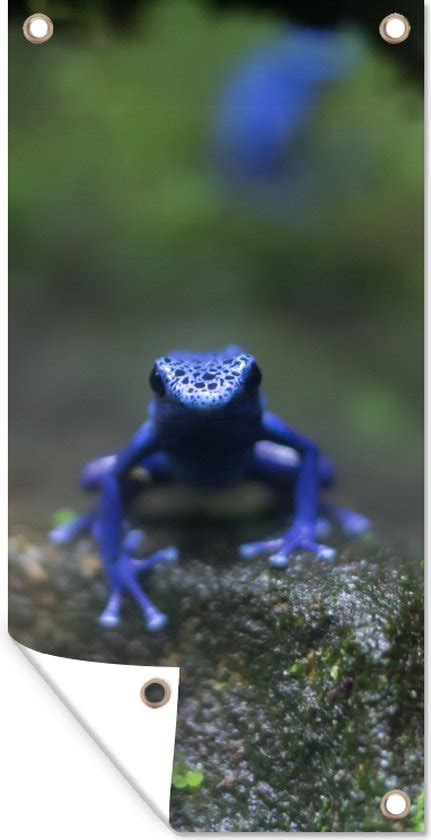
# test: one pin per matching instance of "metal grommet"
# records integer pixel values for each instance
(394, 28)
(38, 28)
(395, 804)
(155, 693)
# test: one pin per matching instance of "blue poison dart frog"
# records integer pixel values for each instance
(207, 427)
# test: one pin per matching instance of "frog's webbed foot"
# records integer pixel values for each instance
(298, 538)
(124, 579)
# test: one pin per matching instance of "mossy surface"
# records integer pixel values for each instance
(301, 689)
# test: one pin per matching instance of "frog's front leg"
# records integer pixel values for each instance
(117, 553)
(124, 579)
(303, 480)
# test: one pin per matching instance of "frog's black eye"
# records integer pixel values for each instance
(157, 383)
(254, 377)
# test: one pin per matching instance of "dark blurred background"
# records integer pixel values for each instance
(128, 239)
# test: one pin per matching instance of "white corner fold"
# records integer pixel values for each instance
(105, 698)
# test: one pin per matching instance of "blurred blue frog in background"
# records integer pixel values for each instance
(265, 114)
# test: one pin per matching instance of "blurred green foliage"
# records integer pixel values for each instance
(113, 194)
(125, 243)
(63, 515)
(418, 818)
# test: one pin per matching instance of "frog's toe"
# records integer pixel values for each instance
(169, 555)
(156, 621)
(163, 555)
(109, 619)
(61, 534)
(279, 560)
(249, 550)
(254, 549)
(353, 524)
(324, 552)
(111, 614)
(56, 535)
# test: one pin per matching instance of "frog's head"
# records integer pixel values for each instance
(206, 380)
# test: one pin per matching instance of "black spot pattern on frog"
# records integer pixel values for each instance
(205, 380)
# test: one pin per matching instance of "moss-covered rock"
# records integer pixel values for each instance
(301, 689)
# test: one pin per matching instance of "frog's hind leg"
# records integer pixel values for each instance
(278, 466)
(351, 523)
